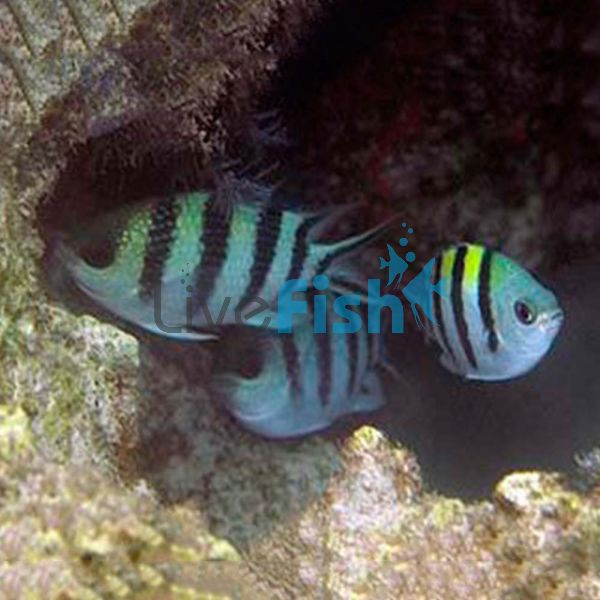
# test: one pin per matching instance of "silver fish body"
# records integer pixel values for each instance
(304, 381)
(493, 319)
(181, 266)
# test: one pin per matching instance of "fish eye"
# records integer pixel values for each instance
(524, 312)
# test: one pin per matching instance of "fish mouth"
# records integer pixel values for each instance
(553, 321)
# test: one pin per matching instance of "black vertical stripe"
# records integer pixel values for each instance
(323, 350)
(292, 364)
(324, 357)
(267, 236)
(300, 250)
(458, 306)
(485, 299)
(437, 309)
(158, 245)
(216, 226)
(373, 356)
(371, 339)
(352, 341)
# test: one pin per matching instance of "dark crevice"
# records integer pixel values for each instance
(498, 104)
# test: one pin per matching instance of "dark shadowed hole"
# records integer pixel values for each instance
(101, 176)
(466, 435)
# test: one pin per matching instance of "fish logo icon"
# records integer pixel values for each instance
(419, 292)
(420, 289)
(395, 264)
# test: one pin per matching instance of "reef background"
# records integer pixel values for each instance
(480, 122)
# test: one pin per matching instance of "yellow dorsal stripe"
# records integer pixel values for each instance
(473, 259)
(448, 258)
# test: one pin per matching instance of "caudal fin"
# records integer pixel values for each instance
(57, 262)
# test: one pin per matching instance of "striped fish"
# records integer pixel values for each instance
(303, 381)
(493, 319)
(180, 266)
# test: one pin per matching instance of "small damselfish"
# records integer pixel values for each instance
(305, 380)
(492, 319)
(182, 267)
(178, 266)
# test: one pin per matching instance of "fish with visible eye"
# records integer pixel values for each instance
(181, 266)
(492, 319)
(295, 384)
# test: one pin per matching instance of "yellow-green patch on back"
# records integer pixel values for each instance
(472, 269)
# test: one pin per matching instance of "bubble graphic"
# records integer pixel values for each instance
(403, 241)
(410, 230)
(410, 256)
(403, 224)
(321, 282)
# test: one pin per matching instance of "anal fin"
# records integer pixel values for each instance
(370, 396)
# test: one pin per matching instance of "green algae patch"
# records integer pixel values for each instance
(60, 369)
(15, 433)
(446, 511)
(223, 550)
(69, 532)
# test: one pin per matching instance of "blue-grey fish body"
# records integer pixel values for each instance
(181, 266)
(493, 320)
(305, 381)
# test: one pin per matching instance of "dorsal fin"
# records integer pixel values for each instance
(325, 254)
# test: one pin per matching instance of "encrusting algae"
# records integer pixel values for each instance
(537, 539)
(67, 532)
(57, 367)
